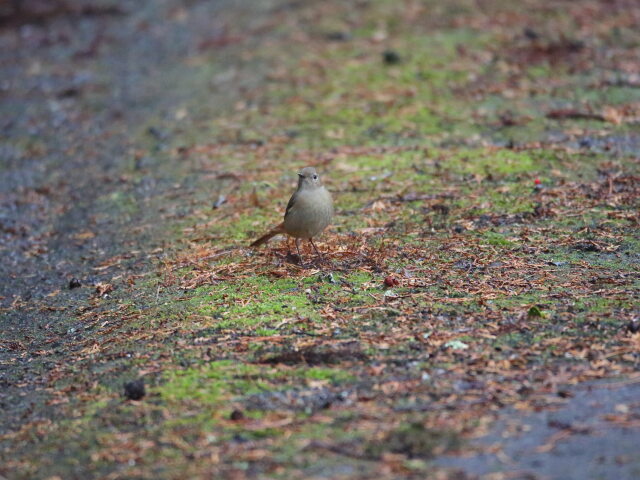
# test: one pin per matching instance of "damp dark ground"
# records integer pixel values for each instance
(85, 86)
(571, 440)
(96, 104)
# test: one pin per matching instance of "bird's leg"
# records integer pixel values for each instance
(298, 248)
(316, 249)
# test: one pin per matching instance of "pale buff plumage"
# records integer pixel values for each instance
(309, 211)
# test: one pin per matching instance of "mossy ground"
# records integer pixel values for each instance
(480, 248)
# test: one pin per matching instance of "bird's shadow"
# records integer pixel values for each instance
(308, 262)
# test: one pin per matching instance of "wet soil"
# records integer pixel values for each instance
(83, 87)
(586, 436)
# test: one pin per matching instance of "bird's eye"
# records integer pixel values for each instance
(315, 177)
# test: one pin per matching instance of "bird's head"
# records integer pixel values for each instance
(309, 178)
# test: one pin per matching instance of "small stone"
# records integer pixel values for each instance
(391, 57)
(557, 263)
(74, 283)
(220, 201)
(238, 438)
(134, 390)
(236, 415)
(330, 278)
(633, 326)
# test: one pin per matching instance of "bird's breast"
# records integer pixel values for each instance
(310, 214)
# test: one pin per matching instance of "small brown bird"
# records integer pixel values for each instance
(309, 211)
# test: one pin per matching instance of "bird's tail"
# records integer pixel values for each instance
(267, 236)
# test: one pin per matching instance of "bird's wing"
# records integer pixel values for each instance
(292, 202)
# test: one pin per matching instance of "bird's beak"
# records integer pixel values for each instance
(300, 175)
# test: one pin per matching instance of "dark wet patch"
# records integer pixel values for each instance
(391, 57)
(320, 354)
(587, 246)
(588, 434)
(20, 12)
(415, 441)
(612, 144)
(536, 49)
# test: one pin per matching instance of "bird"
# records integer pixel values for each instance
(308, 213)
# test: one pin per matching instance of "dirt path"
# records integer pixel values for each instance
(83, 90)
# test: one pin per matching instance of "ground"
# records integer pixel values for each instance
(475, 314)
